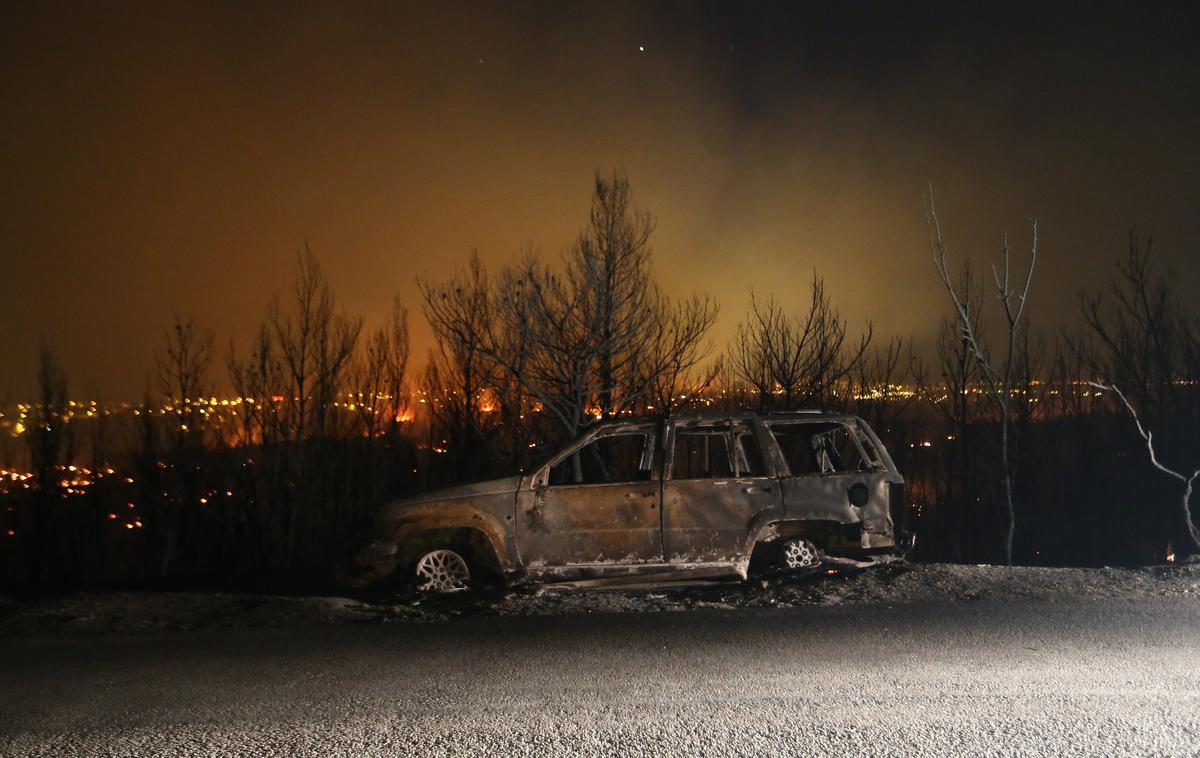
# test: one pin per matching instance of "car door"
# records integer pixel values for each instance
(596, 504)
(717, 489)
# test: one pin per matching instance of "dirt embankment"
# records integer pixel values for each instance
(145, 612)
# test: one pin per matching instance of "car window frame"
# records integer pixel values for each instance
(734, 428)
(541, 479)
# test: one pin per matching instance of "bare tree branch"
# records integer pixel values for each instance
(1148, 437)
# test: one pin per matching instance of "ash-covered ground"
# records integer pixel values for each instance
(132, 612)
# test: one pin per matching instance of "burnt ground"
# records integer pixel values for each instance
(891, 584)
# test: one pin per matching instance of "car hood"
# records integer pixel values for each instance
(505, 486)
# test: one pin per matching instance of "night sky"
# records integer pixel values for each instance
(172, 157)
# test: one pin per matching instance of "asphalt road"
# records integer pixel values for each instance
(1095, 678)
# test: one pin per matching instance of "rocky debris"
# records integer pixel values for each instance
(147, 612)
(889, 583)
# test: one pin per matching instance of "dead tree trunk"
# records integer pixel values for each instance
(999, 383)
(49, 442)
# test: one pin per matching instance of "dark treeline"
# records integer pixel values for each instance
(1024, 445)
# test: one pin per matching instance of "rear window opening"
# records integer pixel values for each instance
(813, 448)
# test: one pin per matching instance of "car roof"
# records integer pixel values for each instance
(695, 416)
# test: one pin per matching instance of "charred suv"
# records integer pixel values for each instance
(687, 496)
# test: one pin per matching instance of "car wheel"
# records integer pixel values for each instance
(800, 554)
(442, 571)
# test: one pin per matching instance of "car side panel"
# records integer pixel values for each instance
(826, 498)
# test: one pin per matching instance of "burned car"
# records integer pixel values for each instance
(687, 496)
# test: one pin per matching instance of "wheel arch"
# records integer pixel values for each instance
(819, 532)
(472, 542)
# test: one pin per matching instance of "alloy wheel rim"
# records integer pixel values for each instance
(800, 554)
(442, 571)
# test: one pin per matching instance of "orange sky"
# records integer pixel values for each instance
(173, 160)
